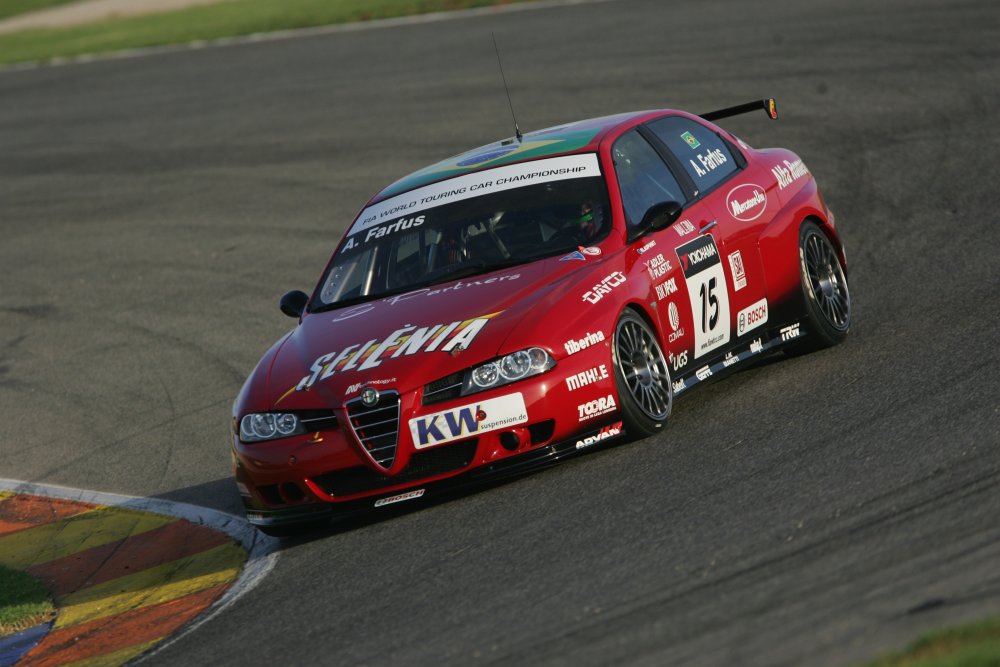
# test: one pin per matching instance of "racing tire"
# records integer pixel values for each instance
(824, 289)
(642, 376)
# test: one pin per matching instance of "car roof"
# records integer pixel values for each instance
(577, 137)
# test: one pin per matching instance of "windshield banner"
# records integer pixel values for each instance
(479, 183)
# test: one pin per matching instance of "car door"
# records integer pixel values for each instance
(738, 207)
(644, 179)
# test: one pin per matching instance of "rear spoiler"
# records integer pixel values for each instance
(767, 105)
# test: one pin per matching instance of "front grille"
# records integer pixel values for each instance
(377, 427)
(428, 463)
(444, 389)
(317, 420)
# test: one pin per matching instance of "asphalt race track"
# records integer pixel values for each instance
(813, 511)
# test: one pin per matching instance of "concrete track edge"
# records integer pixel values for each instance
(262, 553)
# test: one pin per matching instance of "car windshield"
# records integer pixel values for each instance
(469, 225)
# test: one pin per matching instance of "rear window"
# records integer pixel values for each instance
(701, 152)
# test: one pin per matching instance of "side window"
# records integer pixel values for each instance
(704, 156)
(643, 177)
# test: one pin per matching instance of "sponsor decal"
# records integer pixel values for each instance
(367, 383)
(405, 341)
(658, 267)
(788, 174)
(587, 377)
(611, 431)
(739, 273)
(582, 254)
(468, 420)
(746, 202)
(730, 359)
(409, 495)
(703, 373)
(706, 286)
(596, 408)
(363, 308)
(648, 246)
(610, 282)
(574, 346)
(675, 316)
(690, 140)
(677, 361)
(479, 183)
(684, 227)
(679, 386)
(756, 347)
(790, 332)
(665, 289)
(751, 317)
(708, 162)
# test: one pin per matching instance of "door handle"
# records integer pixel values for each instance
(707, 226)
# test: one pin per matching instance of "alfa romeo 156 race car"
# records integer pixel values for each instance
(532, 299)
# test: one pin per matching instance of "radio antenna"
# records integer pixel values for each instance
(517, 130)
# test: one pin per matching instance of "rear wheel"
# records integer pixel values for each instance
(824, 287)
(641, 376)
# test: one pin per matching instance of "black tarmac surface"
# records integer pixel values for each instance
(808, 512)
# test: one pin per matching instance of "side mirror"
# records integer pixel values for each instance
(660, 216)
(294, 303)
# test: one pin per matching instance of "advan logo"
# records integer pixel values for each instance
(605, 433)
(468, 420)
(746, 202)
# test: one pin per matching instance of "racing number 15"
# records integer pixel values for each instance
(708, 299)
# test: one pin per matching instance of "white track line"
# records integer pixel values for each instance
(261, 550)
(299, 32)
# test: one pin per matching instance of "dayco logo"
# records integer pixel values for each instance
(589, 376)
(746, 202)
(607, 432)
(407, 341)
(574, 346)
(604, 287)
(698, 255)
(483, 417)
(597, 408)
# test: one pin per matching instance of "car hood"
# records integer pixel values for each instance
(407, 340)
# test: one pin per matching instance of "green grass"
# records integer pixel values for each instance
(10, 8)
(973, 645)
(23, 602)
(226, 19)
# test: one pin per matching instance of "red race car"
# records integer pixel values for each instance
(529, 300)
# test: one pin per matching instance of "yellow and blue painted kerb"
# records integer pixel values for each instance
(122, 580)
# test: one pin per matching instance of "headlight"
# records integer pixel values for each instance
(511, 368)
(258, 426)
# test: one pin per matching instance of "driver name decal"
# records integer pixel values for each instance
(406, 340)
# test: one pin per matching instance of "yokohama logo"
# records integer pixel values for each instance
(746, 202)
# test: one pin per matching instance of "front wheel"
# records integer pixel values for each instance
(824, 287)
(641, 376)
